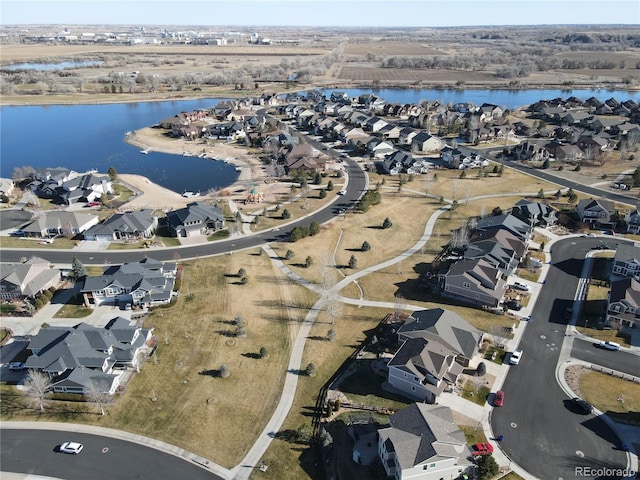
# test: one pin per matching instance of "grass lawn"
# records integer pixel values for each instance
(602, 391)
(365, 387)
(291, 461)
(73, 311)
(4, 333)
(21, 242)
(194, 408)
(473, 434)
(478, 395)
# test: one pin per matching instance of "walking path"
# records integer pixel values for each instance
(482, 414)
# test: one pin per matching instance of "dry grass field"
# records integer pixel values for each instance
(382, 48)
(620, 399)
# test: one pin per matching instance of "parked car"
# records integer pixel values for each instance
(480, 449)
(581, 406)
(513, 305)
(73, 448)
(342, 192)
(498, 399)
(609, 345)
(515, 357)
(521, 286)
(16, 366)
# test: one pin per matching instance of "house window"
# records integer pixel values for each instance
(466, 285)
(413, 389)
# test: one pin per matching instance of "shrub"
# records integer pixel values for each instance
(263, 352)
(577, 169)
(242, 272)
(224, 371)
(289, 255)
(308, 262)
(365, 246)
(329, 186)
(331, 335)
(482, 369)
(353, 262)
(285, 214)
(310, 370)
(323, 193)
(314, 228)
(387, 223)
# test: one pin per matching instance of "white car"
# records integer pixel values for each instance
(515, 357)
(342, 192)
(609, 345)
(16, 366)
(73, 448)
(521, 286)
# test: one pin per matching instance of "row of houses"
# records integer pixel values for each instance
(67, 187)
(623, 302)
(196, 218)
(477, 267)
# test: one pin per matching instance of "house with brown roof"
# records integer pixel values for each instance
(304, 158)
(474, 281)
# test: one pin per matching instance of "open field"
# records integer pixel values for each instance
(620, 399)
(510, 57)
(193, 407)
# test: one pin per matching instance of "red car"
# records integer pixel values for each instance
(498, 399)
(480, 449)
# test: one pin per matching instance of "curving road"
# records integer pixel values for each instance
(357, 182)
(540, 433)
(34, 452)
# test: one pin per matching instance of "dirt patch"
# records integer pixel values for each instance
(572, 376)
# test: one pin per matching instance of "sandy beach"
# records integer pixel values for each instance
(252, 171)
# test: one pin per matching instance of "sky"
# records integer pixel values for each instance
(347, 13)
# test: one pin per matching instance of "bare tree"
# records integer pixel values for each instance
(98, 392)
(498, 335)
(37, 386)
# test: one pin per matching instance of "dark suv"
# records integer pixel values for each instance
(581, 406)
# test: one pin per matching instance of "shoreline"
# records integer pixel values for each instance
(251, 171)
(42, 99)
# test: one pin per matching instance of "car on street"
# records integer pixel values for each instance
(609, 345)
(16, 366)
(513, 305)
(588, 235)
(342, 192)
(480, 449)
(341, 211)
(521, 286)
(498, 399)
(73, 448)
(515, 357)
(581, 406)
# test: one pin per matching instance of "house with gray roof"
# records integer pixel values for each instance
(84, 358)
(195, 219)
(147, 282)
(626, 263)
(597, 212)
(135, 225)
(474, 281)
(446, 327)
(623, 309)
(534, 213)
(54, 223)
(422, 442)
(25, 280)
(632, 218)
(422, 368)
(507, 221)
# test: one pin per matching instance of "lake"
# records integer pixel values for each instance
(83, 137)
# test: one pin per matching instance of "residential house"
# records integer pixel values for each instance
(597, 212)
(534, 213)
(147, 282)
(475, 281)
(626, 262)
(26, 279)
(421, 369)
(564, 152)
(58, 223)
(304, 158)
(424, 142)
(136, 225)
(445, 327)
(623, 309)
(521, 229)
(83, 358)
(422, 442)
(632, 219)
(6, 188)
(195, 219)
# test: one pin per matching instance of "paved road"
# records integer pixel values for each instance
(621, 361)
(103, 458)
(541, 434)
(355, 188)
